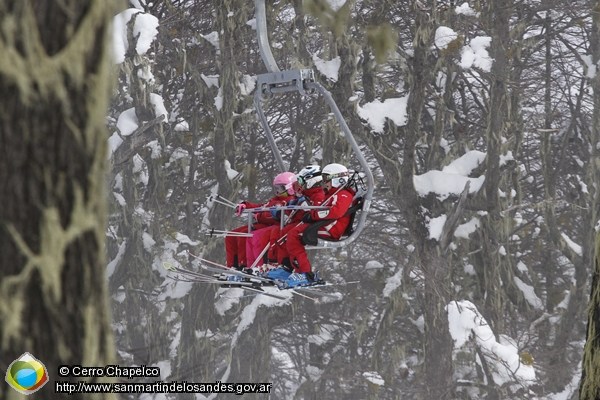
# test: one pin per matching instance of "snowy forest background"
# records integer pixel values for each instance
(479, 296)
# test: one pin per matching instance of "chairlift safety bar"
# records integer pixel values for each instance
(285, 208)
(251, 211)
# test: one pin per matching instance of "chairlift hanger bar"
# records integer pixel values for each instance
(260, 11)
(303, 81)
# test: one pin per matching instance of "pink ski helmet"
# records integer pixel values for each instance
(284, 182)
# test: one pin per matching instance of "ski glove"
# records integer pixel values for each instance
(302, 200)
(240, 208)
(275, 213)
(307, 218)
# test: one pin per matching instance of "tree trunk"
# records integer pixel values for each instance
(199, 360)
(251, 352)
(54, 74)
(496, 265)
(438, 342)
(589, 386)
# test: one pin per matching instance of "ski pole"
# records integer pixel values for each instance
(281, 239)
(305, 296)
(220, 233)
(207, 261)
(226, 200)
(262, 253)
(221, 202)
(284, 237)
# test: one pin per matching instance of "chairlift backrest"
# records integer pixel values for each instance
(303, 82)
(310, 236)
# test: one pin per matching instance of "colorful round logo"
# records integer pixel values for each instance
(26, 374)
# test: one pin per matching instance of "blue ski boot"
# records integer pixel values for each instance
(230, 278)
(281, 273)
(299, 279)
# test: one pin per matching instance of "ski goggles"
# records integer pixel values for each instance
(280, 189)
(301, 182)
(299, 185)
(329, 177)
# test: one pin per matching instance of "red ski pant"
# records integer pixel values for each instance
(296, 249)
(235, 246)
(256, 244)
(274, 236)
(278, 250)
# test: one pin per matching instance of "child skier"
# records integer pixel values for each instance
(310, 193)
(235, 246)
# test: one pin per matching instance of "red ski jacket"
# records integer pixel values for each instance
(316, 196)
(264, 217)
(339, 203)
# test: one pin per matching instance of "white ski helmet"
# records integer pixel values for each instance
(309, 177)
(336, 173)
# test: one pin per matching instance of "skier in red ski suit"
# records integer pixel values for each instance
(235, 246)
(310, 193)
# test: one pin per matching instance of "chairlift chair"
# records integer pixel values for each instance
(303, 81)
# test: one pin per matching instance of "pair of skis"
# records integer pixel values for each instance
(186, 275)
(228, 277)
